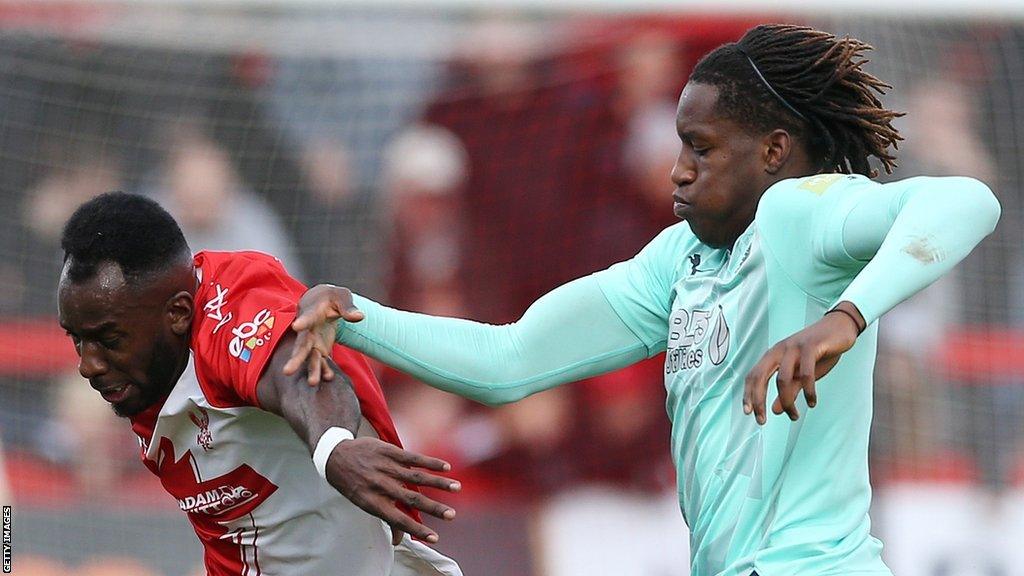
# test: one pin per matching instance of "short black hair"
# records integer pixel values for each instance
(129, 230)
(838, 113)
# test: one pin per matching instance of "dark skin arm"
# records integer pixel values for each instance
(369, 472)
(800, 360)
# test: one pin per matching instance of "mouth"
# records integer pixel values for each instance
(679, 206)
(116, 394)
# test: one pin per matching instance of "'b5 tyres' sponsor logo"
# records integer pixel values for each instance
(251, 335)
(695, 336)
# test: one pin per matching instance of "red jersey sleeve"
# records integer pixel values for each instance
(245, 303)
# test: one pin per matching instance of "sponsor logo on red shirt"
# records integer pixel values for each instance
(215, 308)
(251, 335)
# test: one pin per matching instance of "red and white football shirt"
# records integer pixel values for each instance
(241, 474)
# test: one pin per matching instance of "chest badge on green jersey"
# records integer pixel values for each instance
(695, 336)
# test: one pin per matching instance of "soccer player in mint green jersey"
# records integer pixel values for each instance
(786, 255)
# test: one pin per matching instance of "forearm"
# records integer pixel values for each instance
(570, 334)
(310, 410)
(935, 223)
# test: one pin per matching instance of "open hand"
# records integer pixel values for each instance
(373, 475)
(316, 322)
(800, 360)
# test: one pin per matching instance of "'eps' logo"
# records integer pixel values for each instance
(250, 335)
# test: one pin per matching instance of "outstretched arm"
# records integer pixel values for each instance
(910, 233)
(369, 472)
(567, 335)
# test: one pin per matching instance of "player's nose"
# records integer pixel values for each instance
(91, 364)
(684, 171)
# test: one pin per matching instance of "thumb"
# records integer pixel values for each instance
(352, 314)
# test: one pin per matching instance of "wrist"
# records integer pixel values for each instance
(329, 440)
(850, 311)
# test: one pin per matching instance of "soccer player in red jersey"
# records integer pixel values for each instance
(191, 350)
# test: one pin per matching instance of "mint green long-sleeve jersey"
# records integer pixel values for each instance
(787, 498)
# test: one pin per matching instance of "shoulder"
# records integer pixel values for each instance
(211, 264)
(809, 191)
(810, 202)
(244, 303)
(242, 272)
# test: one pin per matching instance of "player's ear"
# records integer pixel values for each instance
(179, 312)
(778, 145)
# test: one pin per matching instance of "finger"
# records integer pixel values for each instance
(806, 375)
(315, 360)
(417, 460)
(396, 537)
(787, 386)
(322, 313)
(400, 521)
(326, 373)
(352, 314)
(300, 351)
(421, 478)
(418, 501)
(306, 320)
(755, 388)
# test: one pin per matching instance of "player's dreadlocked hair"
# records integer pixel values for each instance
(130, 230)
(810, 83)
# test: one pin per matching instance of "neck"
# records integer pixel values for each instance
(790, 170)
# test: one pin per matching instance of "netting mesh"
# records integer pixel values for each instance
(462, 165)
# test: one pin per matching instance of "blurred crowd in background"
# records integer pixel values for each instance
(468, 187)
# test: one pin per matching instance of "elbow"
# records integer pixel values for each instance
(984, 204)
(501, 398)
(992, 210)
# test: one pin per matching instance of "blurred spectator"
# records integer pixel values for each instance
(84, 434)
(542, 197)
(338, 112)
(919, 434)
(620, 417)
(573, 174)
(339, 222)
(78, 171)
(199, 186)
(424, 174)
(425, 170)
(651, 68)
(650, 151)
